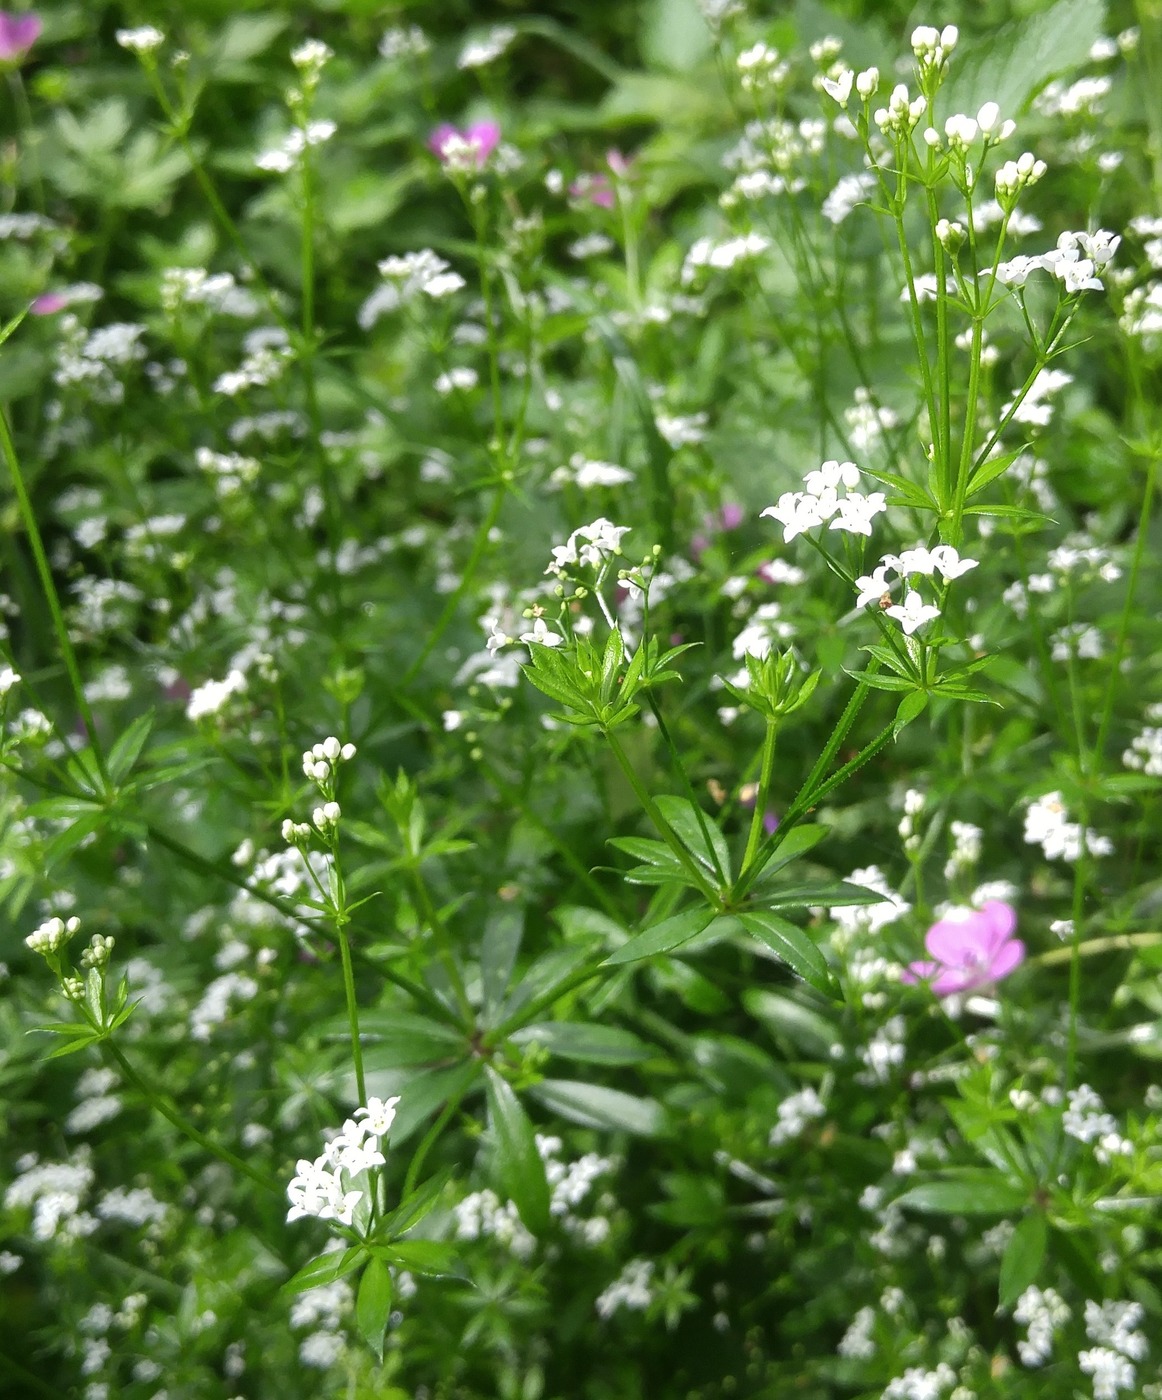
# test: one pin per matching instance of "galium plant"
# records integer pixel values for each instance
(713, 949)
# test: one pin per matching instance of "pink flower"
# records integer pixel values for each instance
(18, 33)
(971, 951)
(477, 142)
(49, 303)
(595, 188)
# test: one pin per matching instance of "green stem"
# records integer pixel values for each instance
(760, 801)
(48, 585)
(661, 825)
(162, 1106)
(429, 1141)
(1114, 943)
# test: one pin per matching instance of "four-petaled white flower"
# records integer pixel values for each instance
(913, 612)
(541, 635)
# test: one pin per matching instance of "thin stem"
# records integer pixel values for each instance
(162, 1106)
(429, 1141)
(760, 801)
(48, 585)
(662, 826)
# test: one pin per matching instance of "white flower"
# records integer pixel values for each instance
(873, 586)
(830, 476)
(541, 636)
(8, 678)
(839, 87)
(141, 40)
(588, 545)
(797, 512)
(481, 51)
(913, 613)
(380, 1114)
(856, 512)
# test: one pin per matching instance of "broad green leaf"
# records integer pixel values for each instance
(325, 1268)
(791, 945)
(519, 1166)
(553, 969)
(1015, 61)
(425, 1093)
(1023, 1256)
(972, 1191)
(671, 933)
(595, 1044)
(807, 1029)
(373, 1304)
(394, 1038)
(498, 950)
(595, 1106)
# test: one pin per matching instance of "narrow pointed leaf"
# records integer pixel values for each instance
(520, 1169)
(671, 933)
(791, 945)
(373, 1304)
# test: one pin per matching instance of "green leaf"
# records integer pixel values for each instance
(432, 1258)
(1023, 1256)
(1016, 60)
(396, 1038)
(911, 707)
(699, 833)
(409, 1213)
(990, 469)
(797, 842)
(519, 1166)
(373, 1304)
(125, 752)
(244, 37)
(970, 1191)
(652, 852)
(791, 945)
(595, 1106)
(671, 933)
(587, 1044)
(425, 1093)
(840, 895)
(551, 970)
(325, 1268)
(878, 681)
(498, 951)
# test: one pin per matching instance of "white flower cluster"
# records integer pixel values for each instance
(478, 52)
(1037, 407)
(631, 1289)
(404, 42)
(55, 1191)
(289, 153)
(720, 257)
(1145, 753)
(856, 1343)
(918, 1384)
(1113, 1327)
(589, 474)
(413, 273)
(321, 760)
(966, 846)
(839, 80)
(311, 57)
(323, 1311)
(589, 546)
(795, 1112)
(1043, 1312)
(885, 1051)
(229, 471)
(682, 431)
(820, 502)
(761, 67)
(1086, 1121)
(268, 353)
(8, 679)
(1047, 825)
(218, 1000)
(569, 1186)
(212, 697)
(325, 1188)
(961, 131)
(142, 40)
(95, 358)
(483, 1215)
(858, 918)
(912, 563)
(851, 191)
(194, 286)
(717, 12)
(1075, 262)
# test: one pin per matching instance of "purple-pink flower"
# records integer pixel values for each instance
(970, 951)
(18, 33)
(476, 143)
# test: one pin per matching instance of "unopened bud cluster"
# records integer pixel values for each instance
(1015, 175)
(52, 936)
(99, 951)
(320, 762)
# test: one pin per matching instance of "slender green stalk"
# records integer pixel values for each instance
(1094, 947)
(661, 825)
(429, 1140)
(161, 1105)
(760, 801)
(52, 598)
